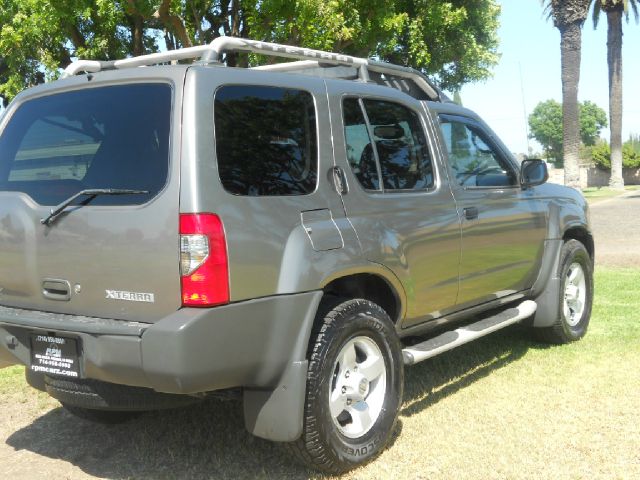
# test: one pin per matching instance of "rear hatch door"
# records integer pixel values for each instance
(105, 255)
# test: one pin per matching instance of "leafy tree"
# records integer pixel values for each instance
(545, 125)
(569, 17)
(615, 10)
(592, 120)
(38, 37)
(453, 41)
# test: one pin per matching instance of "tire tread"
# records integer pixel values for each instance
(309, 449)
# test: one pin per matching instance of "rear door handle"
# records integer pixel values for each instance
(339, 180)
(470, 213)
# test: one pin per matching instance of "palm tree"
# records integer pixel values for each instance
(569, 17)
(615, 10)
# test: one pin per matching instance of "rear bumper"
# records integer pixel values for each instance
(246, 344)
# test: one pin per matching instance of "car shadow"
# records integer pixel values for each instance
(208, 440)
(432, 380)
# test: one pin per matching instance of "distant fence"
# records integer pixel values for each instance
(594, 177)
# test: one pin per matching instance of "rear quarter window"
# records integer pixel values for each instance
(104, 137)
(265, 140)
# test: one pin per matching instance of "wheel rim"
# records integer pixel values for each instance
(358, 387)
(575, 294)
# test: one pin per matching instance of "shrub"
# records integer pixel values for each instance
(601, 154)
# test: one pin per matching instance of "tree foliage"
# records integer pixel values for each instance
(607, 5)
(601, 154)
(545, 125)
(592, 120)
(452, 40)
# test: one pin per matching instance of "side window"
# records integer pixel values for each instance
(266, 140)
(387, 146)
(475, 161)
(401, 145)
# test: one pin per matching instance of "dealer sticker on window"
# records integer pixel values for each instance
(54, 355)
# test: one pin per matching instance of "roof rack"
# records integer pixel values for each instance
(365, 70)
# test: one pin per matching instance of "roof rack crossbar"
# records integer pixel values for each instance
(212, 53)
(94, 66)
(233, 44)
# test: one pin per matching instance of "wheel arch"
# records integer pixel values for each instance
(371, 286)
(546, 290)
(581, 234)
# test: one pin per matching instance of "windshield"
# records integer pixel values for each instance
(107, 137)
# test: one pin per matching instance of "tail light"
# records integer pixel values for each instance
(204, 268)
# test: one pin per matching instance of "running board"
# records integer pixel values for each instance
(448, 340)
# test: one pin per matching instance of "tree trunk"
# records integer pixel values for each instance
(76, 37)
(137, 35)
(614, 60)
(570, 45)
(172, 23)
(136, 21)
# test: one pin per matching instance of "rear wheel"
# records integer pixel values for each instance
(576, 296)
(354, 388)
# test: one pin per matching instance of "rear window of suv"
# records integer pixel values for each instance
(104, 137)
(266, 140)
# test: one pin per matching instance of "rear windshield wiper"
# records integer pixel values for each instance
(90, 192)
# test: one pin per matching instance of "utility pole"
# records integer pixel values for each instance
(524, 110)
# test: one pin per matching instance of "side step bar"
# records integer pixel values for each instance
(449, 340)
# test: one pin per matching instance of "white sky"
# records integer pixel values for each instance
(530, 43)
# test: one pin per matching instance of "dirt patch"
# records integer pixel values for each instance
(204, 441)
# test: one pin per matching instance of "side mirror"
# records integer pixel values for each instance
(533, 172)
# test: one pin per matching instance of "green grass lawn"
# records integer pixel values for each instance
(501, 407)
(507, 407)
(597, 194)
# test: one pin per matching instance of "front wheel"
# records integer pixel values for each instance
(354, 388)
(576, 296)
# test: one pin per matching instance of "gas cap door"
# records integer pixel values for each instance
(321, 230)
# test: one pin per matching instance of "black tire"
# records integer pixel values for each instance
(107, 417)
(568, 328)
(335, 446)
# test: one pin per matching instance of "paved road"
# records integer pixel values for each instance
(616, 227)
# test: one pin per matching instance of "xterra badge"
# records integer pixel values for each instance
(130, 296)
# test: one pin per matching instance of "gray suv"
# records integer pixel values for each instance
(294, 234)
